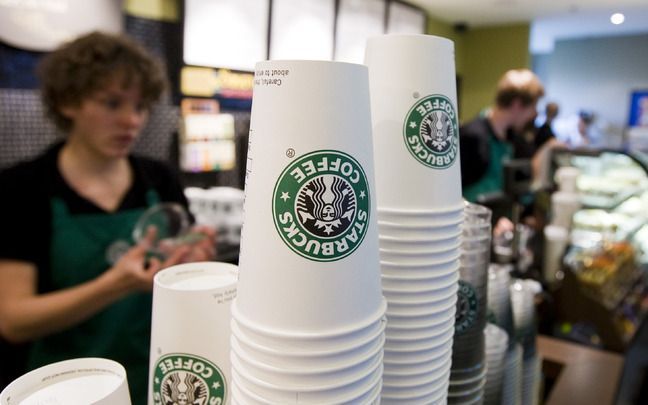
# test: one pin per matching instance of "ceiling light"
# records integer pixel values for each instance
(617, 18)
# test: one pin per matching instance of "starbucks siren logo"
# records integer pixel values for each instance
(183, 379)
(432, 133)
(467, 307)
(321, 205)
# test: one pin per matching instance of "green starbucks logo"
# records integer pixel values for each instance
(467, 307)
(183, 379)
(321, 205)
(431, 132)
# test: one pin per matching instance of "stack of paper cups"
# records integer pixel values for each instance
(420, 209)
(190, 333)
(308, 321)
(499, 297)
(78, 381)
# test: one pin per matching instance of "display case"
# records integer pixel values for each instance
(604, 266)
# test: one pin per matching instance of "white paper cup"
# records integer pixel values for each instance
(414, 113)
(418, 245)
(424, 343)
(418, 231)
(407, 379)
(404, 256)
(400, 356)
(338, 356)
(420, 270)
(556, 240)
(184, 296)
(416, 334)
(307, 377)
(567, 177)
(412, 217)
(276, 393)
(309, 245)
(70, 382)
(563, 207)
(423, 284)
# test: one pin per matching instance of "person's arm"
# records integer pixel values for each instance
(26, 315)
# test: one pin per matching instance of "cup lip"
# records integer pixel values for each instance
(436, 374)
(435, 394)
(430, 342)
(202, 268)
(309, 62)
(443, 296)
(450, 209)
(455, 247)
(452, 259)
(310, 335)
(389, 335)
(418, 227)
(312, 353)
(374, 354)
(427, 365)
(417, 240)
(434, 310)
(455, 279)
(442, 319)
(33, 378)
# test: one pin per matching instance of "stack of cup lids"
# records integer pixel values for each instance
(468, 373)
(77, 381)
(499, 297)
(496, 348)
(420, 209)
(512, 384)
(523, 304)
(308, 323)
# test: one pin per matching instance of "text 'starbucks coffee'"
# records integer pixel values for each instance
(321, 205)
(186, 379)
(431, 132)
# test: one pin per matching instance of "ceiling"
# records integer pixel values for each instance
(550, 19)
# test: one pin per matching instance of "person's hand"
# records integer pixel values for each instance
(502, 226)
(135, 270)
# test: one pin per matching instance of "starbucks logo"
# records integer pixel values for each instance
(321, 205)
(432, 133)
(467, 307)
(183, 379)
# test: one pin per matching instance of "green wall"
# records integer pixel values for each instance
(482, 55)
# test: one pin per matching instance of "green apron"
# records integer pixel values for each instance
(493, 179)
(120, 332)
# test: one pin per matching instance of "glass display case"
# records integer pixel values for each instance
(606, 260)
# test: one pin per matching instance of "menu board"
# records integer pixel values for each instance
(302, 29)
(404, 19)
(229, 34)
(357, 21)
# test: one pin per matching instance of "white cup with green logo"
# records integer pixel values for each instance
(415, 122)
(190, 333)
(309, 245)
(78, 381)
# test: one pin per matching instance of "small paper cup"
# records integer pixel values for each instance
(78, 381)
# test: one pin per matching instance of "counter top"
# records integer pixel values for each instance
(582, 375)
